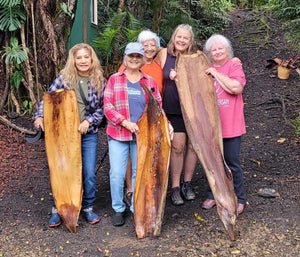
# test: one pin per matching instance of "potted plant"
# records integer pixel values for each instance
(284, 67)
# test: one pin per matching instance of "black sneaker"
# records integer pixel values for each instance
(118, 219)
(187, 191)
(176, 197)
(127, 198)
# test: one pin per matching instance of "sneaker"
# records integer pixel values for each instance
(240, 208)
(176, 197)
(208, 204)
(187, 191)
(55, 219)
(91, 217)
(118, 219)
(127, 198)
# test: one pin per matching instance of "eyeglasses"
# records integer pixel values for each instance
(137, 56)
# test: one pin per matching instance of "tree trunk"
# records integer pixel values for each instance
(116, 51)
(121, 6)
(28, 73)
(134, 6)
(158, 12)
(52, 27)
(6, 76)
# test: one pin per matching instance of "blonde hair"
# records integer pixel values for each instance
(70, 73)
(192, 47)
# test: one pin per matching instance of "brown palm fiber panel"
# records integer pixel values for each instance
(201, 117)
(153, 146)
(63, 147)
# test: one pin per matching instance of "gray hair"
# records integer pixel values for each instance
(217, 38)
(192, 47)
(148, 35)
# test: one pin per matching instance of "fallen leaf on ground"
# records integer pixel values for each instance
(198, 217)
(281, 140)
(255, 161)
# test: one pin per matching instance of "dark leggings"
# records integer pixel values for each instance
(232, 157)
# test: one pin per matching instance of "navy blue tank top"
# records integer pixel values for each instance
(171, 104)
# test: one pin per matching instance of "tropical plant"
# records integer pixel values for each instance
(289, 12)
(206, 17)
(120, 29)
(14, 54)
(11, 15)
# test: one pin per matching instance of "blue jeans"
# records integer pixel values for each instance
(89, 151)
(118, 156)
(232, 157)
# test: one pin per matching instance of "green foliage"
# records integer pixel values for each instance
(214, 16)
(289, 12)
(14, 54)
(119, 30)
(206, 17)
(27, 106)
(116, 30)
(65, 8)
(250, 4)
(286, 9)
(11, 15)
(296, 122)
(16, 78)
(105, 42)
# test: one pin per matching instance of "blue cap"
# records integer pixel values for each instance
(134, 48)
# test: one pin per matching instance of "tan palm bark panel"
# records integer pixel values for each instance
(153, 146)
(63, 147)
(201, 117)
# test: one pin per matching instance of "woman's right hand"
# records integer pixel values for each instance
(39, 123)
(131, 126)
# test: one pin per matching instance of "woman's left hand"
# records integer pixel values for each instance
(212, 71)
(131, 126)
(83, 127)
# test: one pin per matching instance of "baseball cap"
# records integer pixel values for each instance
(134, 48)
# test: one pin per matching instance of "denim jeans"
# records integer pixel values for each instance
(89, 150)
(232, 157)
(118, 156)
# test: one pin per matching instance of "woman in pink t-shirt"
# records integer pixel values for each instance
(229, 81)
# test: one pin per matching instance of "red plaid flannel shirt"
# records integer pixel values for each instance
(116, 105)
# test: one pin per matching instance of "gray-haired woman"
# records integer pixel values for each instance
(229, 81)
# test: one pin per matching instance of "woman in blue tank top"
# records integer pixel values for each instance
(183, 157)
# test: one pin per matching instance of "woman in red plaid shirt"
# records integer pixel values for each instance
(124, 102)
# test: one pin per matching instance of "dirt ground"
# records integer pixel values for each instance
(270, 159)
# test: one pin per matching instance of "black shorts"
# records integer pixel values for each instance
(177, 122)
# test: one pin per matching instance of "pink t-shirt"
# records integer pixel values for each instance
(231, 107)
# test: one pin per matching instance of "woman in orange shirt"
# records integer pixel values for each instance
(151, 44)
